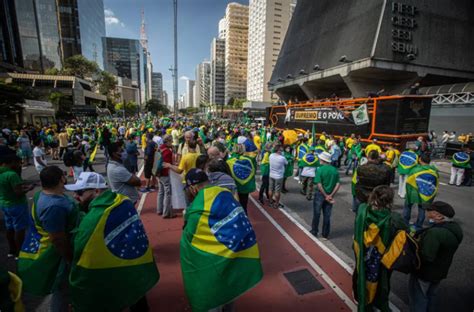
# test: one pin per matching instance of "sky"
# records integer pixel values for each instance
(197, 24)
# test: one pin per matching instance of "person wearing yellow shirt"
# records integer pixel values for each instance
(462, 138)
(373, 147)
(257, 141)
(350, 141)
(187, 161)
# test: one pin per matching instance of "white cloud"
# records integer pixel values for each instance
(184, 78)
(111, 19)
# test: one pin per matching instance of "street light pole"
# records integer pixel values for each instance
(175, 67)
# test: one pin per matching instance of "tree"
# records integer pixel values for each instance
(81, 67)
(107, 84)
(130, 108)
(238, 103)
(154, 106)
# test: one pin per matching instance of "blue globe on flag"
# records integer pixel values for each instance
(242, 169)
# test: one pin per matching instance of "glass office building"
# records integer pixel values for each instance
(124, 58)
(48, 33)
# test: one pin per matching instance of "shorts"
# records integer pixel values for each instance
(276, 185)
(16, 217)
(148, 169)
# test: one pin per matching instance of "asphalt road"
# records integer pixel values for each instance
(455, 293)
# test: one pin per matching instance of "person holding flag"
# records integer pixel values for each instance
(310, 162)
(301, 151)
(421, 188)
(459, 163)
(354, 155)
(407, 161)
(112, 265)
(220, 258)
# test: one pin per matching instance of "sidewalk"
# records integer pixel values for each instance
(284, 248)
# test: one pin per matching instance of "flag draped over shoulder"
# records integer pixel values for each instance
(39, 263)
(461, 160)
(94, 152)
(310, 160)
(407, 161)
(243, 170)
(371, 239)
(113, 265)
(219, 252)
(422, 184)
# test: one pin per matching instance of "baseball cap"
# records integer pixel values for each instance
(195, 176)
(87, 180)
(443, 208)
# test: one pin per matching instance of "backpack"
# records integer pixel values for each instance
(403, 254)
(68, 158)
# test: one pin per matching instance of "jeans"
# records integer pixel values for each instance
(407, 215)
(319, 203)
(61, 297)
(264, 187)
(355, 204)
(422, 295)
(164, 197)
(352, 165)
(308, 186)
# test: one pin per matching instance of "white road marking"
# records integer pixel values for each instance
(308, 259)
(144, 195)
(442, 183)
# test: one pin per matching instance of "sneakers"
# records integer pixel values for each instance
(303, 192)
(309, 197)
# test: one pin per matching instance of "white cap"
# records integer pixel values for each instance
(325, 156)
(87, 180)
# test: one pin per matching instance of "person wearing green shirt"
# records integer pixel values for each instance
(265, 172)
(13, 200)
(354, 155)
(327, 185)
(289, 167)
(421, 189)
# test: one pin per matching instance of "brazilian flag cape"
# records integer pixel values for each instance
(40, 266)
(371, 239)
(407, 161)
(113, 265)
(301, 151)
(318, 149)
(310, 160)
(242, 169)
(422, 184)
(461, 160)
(356, 150)
(219, 253)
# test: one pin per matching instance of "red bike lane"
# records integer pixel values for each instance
(284, 248)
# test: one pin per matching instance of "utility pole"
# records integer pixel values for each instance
(175, 67)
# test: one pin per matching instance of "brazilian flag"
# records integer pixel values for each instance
(461, 160)
(408, 160)
(318, 149)
(310, 160)
(242, 169)
(302, 150)
(354, 181)
(422, 184)
(371, 239)
(219, 253)
(40, 265)
(113, 265)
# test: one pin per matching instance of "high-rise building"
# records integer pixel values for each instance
(29, 35)
(157, 87)
(165, 98)
(125, 58)
(189, 96)
(222, 28)
(203, 83)
(82, 27)
(217, 77)
(236, 46)
(268, 23)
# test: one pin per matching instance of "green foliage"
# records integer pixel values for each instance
(52, 71)
(79, 66)
(107, 84)
(154, 106)
(130, 108)
(238, 103)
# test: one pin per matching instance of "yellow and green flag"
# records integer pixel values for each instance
(422, 184)
(220, 259)
(461, 160)
(242, 169)
(113, 265)
(408, 160)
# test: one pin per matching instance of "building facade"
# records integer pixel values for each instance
(203, 84)
(236, 50)
(217, 75)
(157, 87)
(82, 27)
(165, 99)
(268, 23)
(125, 58)
(189, 96)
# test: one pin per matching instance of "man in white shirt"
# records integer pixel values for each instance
(157, 139)
(277, 173)
(39, 156)
(445, 137)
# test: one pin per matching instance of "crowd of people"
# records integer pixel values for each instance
(76, 228)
